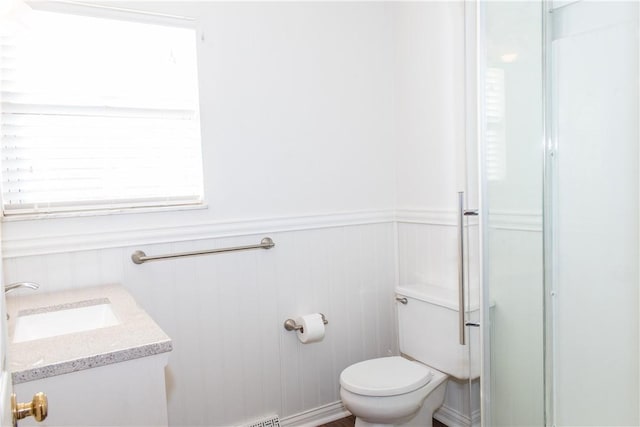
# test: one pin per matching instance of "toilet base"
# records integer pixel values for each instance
(361, 423)
(425, 421)
(423, 418)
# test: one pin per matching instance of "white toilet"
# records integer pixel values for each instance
(396, 391)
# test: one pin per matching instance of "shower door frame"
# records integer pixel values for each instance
(549, 194)
(475, 65)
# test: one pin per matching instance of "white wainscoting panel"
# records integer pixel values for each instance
(428, 253)
(232, 360)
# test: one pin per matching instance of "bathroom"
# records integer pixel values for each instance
(344, 131)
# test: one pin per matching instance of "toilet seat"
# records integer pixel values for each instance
(386, 376)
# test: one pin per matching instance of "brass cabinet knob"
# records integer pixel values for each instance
(37, 408)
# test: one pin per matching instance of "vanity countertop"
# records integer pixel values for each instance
(136, 335)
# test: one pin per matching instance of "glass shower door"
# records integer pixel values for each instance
(511, 141)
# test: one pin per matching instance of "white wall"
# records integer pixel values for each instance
(320, 122)
(429, 103)
(296, 119)
(429, 127)
(296, 106)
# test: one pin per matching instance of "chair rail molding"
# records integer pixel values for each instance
(41, 245)
(498, 219)
(13, 247)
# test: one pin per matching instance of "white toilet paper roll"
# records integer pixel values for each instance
(312, 328)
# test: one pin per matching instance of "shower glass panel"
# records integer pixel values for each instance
(593, 224)
(511, 135)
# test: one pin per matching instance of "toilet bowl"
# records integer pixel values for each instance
(392, 391)
(405, 391)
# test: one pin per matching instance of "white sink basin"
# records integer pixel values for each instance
(63, 321)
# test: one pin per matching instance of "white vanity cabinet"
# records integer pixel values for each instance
(98, 357)
(130, 393)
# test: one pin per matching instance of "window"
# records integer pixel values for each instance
(495, 131)
(98, 114)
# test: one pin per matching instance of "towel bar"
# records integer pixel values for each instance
(139, 257)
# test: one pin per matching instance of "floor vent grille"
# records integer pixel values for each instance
(272, 421)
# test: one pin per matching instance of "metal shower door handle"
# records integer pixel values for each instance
(461, 296)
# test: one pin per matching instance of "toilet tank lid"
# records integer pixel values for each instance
(386, 376)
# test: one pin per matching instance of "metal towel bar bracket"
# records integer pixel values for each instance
(139, 257)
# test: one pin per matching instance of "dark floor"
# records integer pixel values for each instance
(350, 421)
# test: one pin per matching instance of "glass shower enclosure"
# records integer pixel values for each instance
(559, 159)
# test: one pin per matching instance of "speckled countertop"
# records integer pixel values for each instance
(137, 335)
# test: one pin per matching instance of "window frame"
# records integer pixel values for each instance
(120, 207)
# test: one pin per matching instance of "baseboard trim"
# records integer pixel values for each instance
(453, 418)
(476, 418)
(316, 416)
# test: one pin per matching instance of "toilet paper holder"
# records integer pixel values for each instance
(291, 325)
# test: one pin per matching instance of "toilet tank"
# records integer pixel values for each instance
(428, 330)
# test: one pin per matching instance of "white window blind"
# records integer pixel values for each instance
(98, 114)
